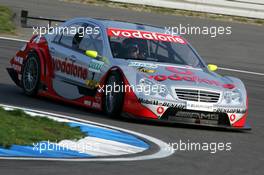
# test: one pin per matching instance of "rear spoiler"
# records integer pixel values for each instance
(25, 17)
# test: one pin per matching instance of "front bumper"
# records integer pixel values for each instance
(246, 127)
(178, 113)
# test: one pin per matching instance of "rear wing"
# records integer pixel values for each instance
(24, 19)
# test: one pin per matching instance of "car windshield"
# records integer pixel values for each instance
(151, 47)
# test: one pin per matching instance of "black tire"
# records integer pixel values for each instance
(31, 75)
(113, 106)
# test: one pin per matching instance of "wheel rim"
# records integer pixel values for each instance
(30, 75)
(110, 96)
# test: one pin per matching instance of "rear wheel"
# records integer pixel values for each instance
(31, 75)
(114, 95)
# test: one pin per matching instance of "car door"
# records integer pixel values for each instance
(76, 74)
(97, 66)
(69, 64)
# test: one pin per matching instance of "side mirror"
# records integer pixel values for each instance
(212, 67)
(91, 53)
(94, 54)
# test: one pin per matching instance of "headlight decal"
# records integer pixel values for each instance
(233, 97)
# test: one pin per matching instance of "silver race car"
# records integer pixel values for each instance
(129, 69)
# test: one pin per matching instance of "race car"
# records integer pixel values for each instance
(129, 69)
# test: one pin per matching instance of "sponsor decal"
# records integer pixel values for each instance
(177, 77)
(114, 32)
(197, 115)
(229, 86)
(95, 66)
(16, 63)
(230, 110)
(146, 70)
(68, 67)
(232, 117)
(179, 70)
(18, 60)
(92, 84)
(160, 110)
(200, 106)
(159, 103)
(187, 75)
(144, 65)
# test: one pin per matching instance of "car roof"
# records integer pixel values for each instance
(130, 26)
(113, 23)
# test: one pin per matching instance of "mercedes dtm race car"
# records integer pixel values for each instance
(129, 69)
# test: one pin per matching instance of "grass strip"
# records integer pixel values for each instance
(6, 22)
(17, 127)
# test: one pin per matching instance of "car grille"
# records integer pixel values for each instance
(197, 95)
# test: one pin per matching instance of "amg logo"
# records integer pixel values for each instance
(197, 115)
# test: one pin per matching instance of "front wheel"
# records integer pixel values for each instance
(114, 95)
(31, 75)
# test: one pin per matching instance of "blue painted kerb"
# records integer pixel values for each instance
(60, 152)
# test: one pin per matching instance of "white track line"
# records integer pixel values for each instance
(164, 149)
(241, 71)
(13, 39)
(221, 68)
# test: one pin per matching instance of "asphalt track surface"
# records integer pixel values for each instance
(241, 50)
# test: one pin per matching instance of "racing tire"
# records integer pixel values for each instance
(113, 98)
(31, 75)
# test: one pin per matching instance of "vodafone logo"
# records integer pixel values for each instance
(232, 117)
(160, 110)
(179, 70)
(113, 32)
(187, 75)
(70, 68)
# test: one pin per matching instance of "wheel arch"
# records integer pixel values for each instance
(116, 111)
(41, 58)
